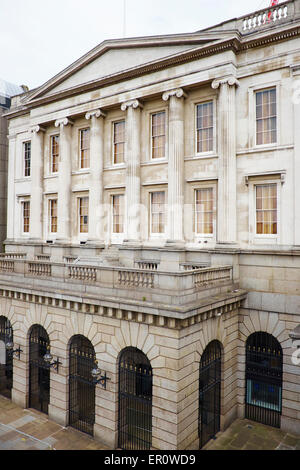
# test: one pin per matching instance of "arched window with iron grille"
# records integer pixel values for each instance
(82, 359)
(210, 392)
(135, 400)
(6, 363)
(264, 362)
(39, 373)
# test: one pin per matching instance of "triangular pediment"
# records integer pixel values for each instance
(113, 58)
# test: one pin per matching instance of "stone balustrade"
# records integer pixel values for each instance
(13, 255)
(268, 17)
(120, 276)
(82, 273)
(144, 264)
(207, 276)
(136, 279)
(39, 269)
(6, 265)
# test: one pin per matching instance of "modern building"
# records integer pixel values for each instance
(154, 226)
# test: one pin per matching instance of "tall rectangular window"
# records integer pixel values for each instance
(205, 127)
(266, 209)
(158, 127)
(26, 216)
(27, 158)
(53, 215)
(266, 117)
(84, 148)
(119, 142)
(118, 213)
(204, 211)
(83, 214)
(54, 153)
(158, 212)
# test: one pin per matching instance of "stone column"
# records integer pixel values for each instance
(64, 180)
(37, 179)
(11, 202)
(176, 165)
(226, 137)
(96, 232)
(133, 170)
(296, 106)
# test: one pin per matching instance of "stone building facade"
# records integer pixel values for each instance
(7, 90)
(153, 226)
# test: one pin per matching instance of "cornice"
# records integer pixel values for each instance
(220, 305)
(237, 43)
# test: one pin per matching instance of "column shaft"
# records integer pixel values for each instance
(226, 133)
(64, 180)
(96, 229)
(11, 223)
(176, 165)
(37, 178)
(133, 176)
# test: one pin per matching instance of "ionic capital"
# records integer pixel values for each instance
(63, 122)
(178, 92)
(37, 129)
(135, 104)
(231, 81)
(95, 113)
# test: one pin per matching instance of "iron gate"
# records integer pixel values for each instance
(263, 379)
(81, 386)
(6, 370)
(135, 401)
(209, 393)
(39, 373)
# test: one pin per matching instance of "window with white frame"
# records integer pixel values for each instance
(158, 135)
(84, 144)
(54, 153)
(158, 212)
(83, 214)
(118, 213)
(266, 116)
(266, 209)
(118, 142)
(205, 127)
(52, 215)
(204, 211)
(25, 216)
(27, 158)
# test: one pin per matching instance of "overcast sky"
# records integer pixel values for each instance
(39, 38)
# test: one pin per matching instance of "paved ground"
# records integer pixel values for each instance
(248, 435)
(30, 430)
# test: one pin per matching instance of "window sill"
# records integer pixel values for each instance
(203, 156)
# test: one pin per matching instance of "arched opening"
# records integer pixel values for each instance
(6, 358)
(135, 400)
(210, 392)
(82, 359)
(263, 379)
(39, 373)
